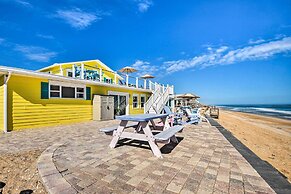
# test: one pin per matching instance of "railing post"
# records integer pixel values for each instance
(73, 70)
(156, 85)
(101, 77)
(82, 71)
(163, 88)
(136, 82)
(150, 85)
(126, 80)
(115, 77)
(145, 84)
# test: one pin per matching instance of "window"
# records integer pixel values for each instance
(142, 101)
(135, 101)
(54, 91)
(66, 90)
(80, 93)
(69, 73)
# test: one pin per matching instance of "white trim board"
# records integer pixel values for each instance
(35, 74)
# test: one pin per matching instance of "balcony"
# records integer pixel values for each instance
(102, 75)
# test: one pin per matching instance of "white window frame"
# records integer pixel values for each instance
(144, 96)
(76, 92)
(135, 95)
(65, 84)
(59, 91)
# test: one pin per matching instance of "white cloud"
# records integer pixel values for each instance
(35, 53)
(221, 49)
(2, 40)
(24, 3)
(221, 57)
(45, 36)
(144, 5)
(144, 67)
(77, 18)
(258, 41)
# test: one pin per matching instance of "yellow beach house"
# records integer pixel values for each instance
(63, 93)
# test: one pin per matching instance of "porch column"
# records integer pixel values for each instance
(73, 70)
(82, 71)
(101, 77)
(126, 80)
(136, 82)
(5, 102)
(145, 84)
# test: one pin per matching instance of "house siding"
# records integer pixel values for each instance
(26, 109)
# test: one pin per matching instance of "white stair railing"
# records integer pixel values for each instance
(158, 99)
(152, 99)
(163, 100)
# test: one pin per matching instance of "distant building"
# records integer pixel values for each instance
(187, 99)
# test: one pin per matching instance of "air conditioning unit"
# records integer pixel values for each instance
(103, 108)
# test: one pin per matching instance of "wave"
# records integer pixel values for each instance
(273, 110)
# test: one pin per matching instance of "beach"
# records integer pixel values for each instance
(268, 137)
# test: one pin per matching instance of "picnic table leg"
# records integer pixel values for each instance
(138, 128)
(150, 137)
(165, 123)
(117, 133)
(174, 139)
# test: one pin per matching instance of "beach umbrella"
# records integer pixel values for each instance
(147, 76)
(127, 70)
(189, 95)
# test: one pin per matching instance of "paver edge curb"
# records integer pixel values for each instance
(51, 178)
(271, 175)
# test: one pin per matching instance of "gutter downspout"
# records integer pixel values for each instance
(5, 102)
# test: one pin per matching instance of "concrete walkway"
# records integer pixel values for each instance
(78, 160)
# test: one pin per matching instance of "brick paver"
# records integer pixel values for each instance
(203, 161)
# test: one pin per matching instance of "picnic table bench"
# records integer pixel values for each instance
(168, 134)
(109, 130)
(143, 132)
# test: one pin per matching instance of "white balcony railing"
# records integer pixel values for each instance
(87, 72)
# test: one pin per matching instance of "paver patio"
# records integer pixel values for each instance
(80, 160)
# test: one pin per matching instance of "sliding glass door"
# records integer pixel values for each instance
(121, 104)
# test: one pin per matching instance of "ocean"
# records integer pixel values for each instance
(274, 110)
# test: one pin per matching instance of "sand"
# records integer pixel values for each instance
(268, 137)
(19, 172)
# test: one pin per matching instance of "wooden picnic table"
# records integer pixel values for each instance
(143, 131)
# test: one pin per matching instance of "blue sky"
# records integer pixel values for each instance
(228, 52)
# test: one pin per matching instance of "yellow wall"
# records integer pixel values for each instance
(1, 102)
(26, 109)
